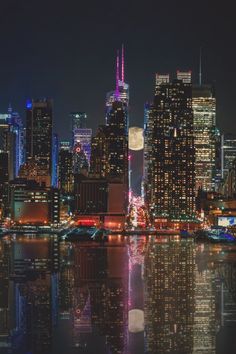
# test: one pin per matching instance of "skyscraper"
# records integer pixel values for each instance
(65, 167)
(11, 141)
(122, 88)
(4, 179)
(118, 142)
(80, 133)
(228, 152)
(55, 148)
(205, 136)
(170, 181)
(80, 161)
(16, 127)
(78, 120)
(110, 146)
(99, 153)
(39, 133)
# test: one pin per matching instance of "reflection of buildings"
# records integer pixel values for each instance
(66, 281)
(100, 295)
(204, 330)
(227, 291)
(169, 297)
(33, 270)
(28, 296)
(5, 323)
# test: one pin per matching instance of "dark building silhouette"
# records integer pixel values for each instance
(91, 194)
(39, 133)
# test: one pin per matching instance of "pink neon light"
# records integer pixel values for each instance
(117, 75)
(123, 64)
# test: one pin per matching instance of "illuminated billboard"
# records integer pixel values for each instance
(226, 220)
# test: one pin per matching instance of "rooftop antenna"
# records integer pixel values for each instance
(123, 64)
(200, 67)
(117, 75)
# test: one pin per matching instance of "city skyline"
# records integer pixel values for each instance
(78, 66)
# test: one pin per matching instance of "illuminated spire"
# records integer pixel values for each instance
(123, 64)
(117, 94)
(200, 67)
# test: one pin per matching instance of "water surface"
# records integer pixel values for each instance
(132, 295)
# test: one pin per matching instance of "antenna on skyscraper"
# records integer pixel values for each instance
(117, 74)
(200, 67)
(123, 64)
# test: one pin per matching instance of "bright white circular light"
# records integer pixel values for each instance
(136, 321)
(136, 140)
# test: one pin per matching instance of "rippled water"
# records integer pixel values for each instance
(130, 295)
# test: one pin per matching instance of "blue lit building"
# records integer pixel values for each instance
(12, 140)
(55, 147)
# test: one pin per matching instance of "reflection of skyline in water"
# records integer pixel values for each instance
(76, 298)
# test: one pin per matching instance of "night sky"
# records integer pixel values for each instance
(66, 50)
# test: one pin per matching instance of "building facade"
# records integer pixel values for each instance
(65, 167)
(170, 180)
(205, 137)
(39, 134)
(31, 203)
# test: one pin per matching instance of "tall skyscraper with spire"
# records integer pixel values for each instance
(110, 145)
(122, 88)
(205, 133)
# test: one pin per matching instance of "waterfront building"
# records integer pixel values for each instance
(169, 140)
(91, 194)
(39, 134)
(31, 203)
(205, 137)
